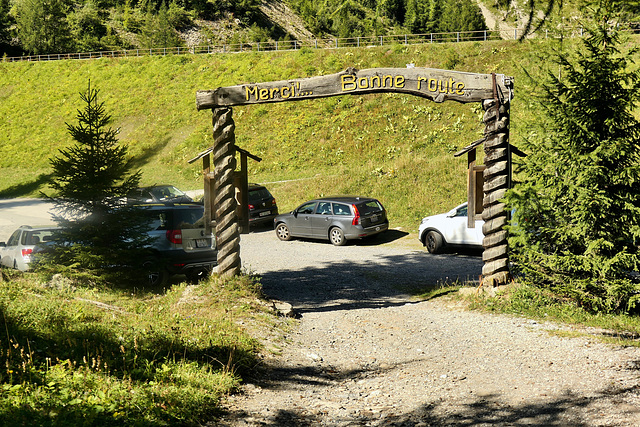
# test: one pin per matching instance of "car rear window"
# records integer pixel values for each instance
(36, 236)
(369, 207)
(188, 218)
(258, 194)
(176, 219)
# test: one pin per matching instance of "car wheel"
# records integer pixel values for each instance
(282, 231)
(434, 242)
(156, 274)
(337, 237)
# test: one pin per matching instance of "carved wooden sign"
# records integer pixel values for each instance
(437, 85)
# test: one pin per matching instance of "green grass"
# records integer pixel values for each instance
(398, 148)
(539, 304)
(76, 355)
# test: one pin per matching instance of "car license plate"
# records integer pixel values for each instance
(265, 213)
(201, 243)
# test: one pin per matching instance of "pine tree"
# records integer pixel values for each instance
(577, 210)
(42, 26)
(91, 178)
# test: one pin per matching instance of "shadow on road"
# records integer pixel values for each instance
(372, 283)
(477, 410)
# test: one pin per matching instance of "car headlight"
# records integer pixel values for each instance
(424, 220)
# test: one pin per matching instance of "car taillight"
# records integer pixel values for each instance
(26, 252)
(175, 236)
(356, 217)
(251, 207)
(274, 202)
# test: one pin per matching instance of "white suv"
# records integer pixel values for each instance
(450, 229)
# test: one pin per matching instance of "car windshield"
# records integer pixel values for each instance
(369, 207)
(168, 192)
(462, 211)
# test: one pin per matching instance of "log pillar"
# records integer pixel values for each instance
(495, 270)
(224, 201)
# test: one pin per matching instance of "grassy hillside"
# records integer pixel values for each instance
(398, 148)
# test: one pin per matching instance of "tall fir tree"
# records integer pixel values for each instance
(99, 233)
(42, 25)
(577, 210)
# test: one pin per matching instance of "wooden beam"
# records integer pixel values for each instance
(437, 85)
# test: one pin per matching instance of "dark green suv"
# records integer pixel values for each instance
(179, 242)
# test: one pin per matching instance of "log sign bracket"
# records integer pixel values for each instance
(494, 91)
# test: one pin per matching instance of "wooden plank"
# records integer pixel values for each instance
(437, 85)
(471, 189)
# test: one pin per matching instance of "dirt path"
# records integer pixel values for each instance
(280, 13)
(495, 22)
(366, 354)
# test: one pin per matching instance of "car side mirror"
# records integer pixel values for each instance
(3, 244)
(295, 214)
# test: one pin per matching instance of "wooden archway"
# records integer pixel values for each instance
(494, 91)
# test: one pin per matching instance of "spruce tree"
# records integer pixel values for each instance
(99, 233)
(576, 216)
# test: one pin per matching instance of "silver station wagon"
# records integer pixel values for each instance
(336, 219)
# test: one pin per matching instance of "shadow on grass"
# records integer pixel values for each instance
(36, 185)
(27, 188)
(139, 360)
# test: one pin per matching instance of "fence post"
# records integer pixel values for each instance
(381, 41)
(457, 37)
(515, 34)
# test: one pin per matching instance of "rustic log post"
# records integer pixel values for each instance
(495, 270)
(224, 202)
(494, 90)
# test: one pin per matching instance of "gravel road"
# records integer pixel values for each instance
(364, 353)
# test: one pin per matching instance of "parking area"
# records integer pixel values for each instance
(314, 274)
(23, 211)
(317, 276)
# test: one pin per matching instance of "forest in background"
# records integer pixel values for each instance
(58, 26)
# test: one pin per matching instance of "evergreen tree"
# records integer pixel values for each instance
(577, 210)
(417, 16)
(87, 27)
(158, 31)
(462, 16)
(42, 26)
(5, 21)
(98, 232)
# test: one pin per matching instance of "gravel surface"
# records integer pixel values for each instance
(364, 353)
